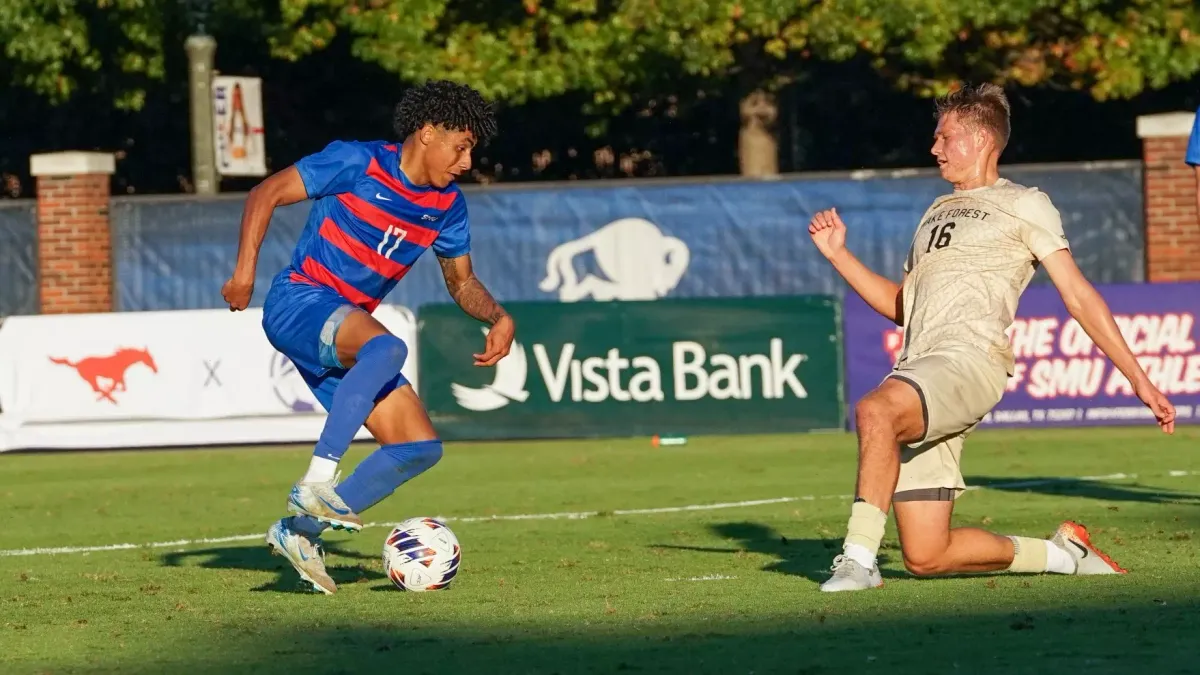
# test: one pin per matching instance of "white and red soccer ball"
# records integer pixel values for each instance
(421, 554)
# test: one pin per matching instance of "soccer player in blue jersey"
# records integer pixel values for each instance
(377, 207)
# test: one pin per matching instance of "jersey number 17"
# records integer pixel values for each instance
(398, 233)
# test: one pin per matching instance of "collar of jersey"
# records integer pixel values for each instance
(1000, 182)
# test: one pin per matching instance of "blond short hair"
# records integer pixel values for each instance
(985, 106)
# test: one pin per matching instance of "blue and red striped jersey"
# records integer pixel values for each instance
(369, 224)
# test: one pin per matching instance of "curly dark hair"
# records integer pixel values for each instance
(453, 106)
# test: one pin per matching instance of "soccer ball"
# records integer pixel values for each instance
(421, 554)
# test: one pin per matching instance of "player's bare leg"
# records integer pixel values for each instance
(357, 329)
(889, 415)
(931, 547)
(400, 417)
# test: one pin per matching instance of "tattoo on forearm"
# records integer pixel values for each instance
(470, 294)
(476, 301)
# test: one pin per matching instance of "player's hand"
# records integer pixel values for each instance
(1158, 404)
(237, 293)
(828, 232)
(499, 341)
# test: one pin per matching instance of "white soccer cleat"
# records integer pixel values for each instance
(321, 502)
(304, 553)
(1073, 538)
(850, 575)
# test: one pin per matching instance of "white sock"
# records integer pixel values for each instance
(1058, 561)
(860, 554)
(320, 470)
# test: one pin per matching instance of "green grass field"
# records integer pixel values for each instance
(729, 589)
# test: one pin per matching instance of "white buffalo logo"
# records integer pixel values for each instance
(508, 385)
(641, 263)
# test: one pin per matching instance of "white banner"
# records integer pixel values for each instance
(138, 379)
(238, 126)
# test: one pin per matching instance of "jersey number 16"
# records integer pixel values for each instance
(940, 237)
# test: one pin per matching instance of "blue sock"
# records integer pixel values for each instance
(377, 362)
(378, 476)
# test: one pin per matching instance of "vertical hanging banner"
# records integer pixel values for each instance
(238, 126)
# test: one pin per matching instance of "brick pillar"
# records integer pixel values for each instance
(74, 244)
(1172, 223)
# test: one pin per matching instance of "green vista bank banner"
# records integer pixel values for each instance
(686, 366)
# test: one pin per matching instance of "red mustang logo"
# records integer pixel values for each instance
(112, 368)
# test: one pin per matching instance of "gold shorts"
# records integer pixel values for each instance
(956, 389)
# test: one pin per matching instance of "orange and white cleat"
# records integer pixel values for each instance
(1073, 538)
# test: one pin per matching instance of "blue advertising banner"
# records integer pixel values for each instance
(636, 240)
(1061, 378)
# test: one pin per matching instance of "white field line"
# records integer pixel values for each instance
(563, 515)
(708, 577)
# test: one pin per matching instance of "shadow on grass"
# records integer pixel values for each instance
(259, 559)
(1144, 637)
(808, 558)
(1090, 489)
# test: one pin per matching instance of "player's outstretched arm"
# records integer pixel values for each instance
(474, 299)
(882, 294)
(1087, 306)
(280, 189)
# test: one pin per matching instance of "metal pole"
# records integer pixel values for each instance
(200, 51)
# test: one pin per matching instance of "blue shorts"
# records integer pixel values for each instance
(301, 320)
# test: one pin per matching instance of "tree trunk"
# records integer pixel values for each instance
(758, 144)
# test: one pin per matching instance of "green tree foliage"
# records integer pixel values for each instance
(59, 48)
(55, 46)
(752, 48)
(619, 52)
(513, 51)
(1110, 48)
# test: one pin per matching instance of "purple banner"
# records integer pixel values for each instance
(1061, 378)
